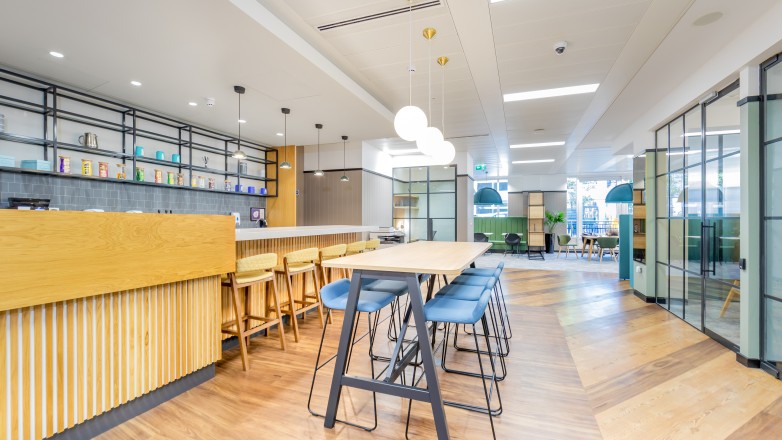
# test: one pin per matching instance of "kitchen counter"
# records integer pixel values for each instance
(298, 231)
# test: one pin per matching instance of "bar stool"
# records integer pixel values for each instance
(488, 272)
(356, 247)
(335, 297)
(329, 253)
(373, 244)
(250, 271)
(448, 310)
(497, 314)
(301, 262)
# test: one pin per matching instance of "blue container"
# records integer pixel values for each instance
(250, 190)
(175, 158)
(40, 165)
(239, 188)
(262, 191)
(159, 155)
(139, 151)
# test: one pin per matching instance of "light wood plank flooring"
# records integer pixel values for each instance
(588, 360)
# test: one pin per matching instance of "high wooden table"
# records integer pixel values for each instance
(404, 262)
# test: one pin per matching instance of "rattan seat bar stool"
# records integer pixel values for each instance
(252, 271)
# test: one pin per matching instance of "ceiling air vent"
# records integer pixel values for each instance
(378, 15)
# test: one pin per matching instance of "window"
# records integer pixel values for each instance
(501, 186)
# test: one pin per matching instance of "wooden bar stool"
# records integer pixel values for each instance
(356, 247)
(373, 244)
(329, 253)
(250, 271)
(301, 262)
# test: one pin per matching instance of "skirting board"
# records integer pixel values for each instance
(644, 298)
(121, 414)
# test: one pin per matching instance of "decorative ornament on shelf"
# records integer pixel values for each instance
(430, 138)
(344, 177)
(285, 165)
(318, 172)
(239, 154)
(410, 120)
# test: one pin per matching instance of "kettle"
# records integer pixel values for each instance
(89, 140)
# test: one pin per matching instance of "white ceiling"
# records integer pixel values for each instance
(354, 78)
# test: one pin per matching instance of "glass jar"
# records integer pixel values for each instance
(227, 186)
(180, 179)
(121, 171)
(139, 174)
(211, 183)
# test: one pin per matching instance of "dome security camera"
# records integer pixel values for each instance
(559, 47)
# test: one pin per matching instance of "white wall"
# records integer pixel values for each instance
(535, 182)
(376, 160)
(331, 156)
(462, 159)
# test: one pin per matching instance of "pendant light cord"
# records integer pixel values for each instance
(430, 79)
(410, 53)
(239, 142)
(443, 101)
(285, 136)
(343, 155)
(319, 149)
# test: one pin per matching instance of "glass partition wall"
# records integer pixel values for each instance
(771, 83)
(697, 220)
(425, 202)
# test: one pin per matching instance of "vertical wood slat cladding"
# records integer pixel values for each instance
(280, 246)
(66, 362)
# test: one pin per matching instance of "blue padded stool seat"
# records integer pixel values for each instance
(474, 280)
(462, 292)
(335, 296)
(483, 272)
(395, 287)
(455, 311)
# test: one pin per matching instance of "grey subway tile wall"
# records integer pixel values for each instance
(77, 194)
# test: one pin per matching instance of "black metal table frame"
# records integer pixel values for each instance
(387, 386)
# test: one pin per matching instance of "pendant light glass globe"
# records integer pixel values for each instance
(344, 178)
(239, 154)
(318, 173)
(285, 165)
(409, 121)
(444, 154)
(429, 140)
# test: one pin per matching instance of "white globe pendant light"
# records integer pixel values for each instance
(429, 140)
(410, 120)
(445, 153)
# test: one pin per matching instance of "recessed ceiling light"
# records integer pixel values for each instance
(242, 121)
(539, 144)
(548, 93)
(280, 134)
(712, 133)
(56, 54)
(192, 104)
(496, 1)
(135, 83)
(520, 162)
(402, 152)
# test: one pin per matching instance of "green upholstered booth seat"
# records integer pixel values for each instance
(496, 226)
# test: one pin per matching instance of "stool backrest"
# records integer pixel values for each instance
(563, 239)
(330, 252)
(256, 263)
(501, 266)
(512, 239)
(303, 256)
(356, 247)
(373, 244)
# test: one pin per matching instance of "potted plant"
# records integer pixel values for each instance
(551, 222)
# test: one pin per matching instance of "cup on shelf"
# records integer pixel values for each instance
(239, 188)
(175, 158)
(139, 151)
(159, 155)
(262, 191)
(250, 190)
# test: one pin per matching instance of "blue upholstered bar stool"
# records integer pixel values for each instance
(335, 297)
(445, 308)
(487, 272)
(499, 313)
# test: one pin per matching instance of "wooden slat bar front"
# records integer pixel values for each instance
(50, 256)
(97, 309)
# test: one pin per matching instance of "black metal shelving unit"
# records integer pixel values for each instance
(52, 109)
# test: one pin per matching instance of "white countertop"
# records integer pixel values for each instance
(297, 231)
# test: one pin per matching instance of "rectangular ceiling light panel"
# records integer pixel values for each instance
(539, 144)
(550, 93)
(521, 162)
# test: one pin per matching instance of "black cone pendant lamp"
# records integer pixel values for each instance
(318, 172)
(344, 177)
(239, 154)
(285, 165)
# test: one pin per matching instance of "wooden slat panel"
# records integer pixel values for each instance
(281, 210)
(73, 360)
(42, 254)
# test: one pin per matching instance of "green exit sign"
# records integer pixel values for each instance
(480, 167)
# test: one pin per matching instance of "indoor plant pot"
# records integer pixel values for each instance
(551, 222)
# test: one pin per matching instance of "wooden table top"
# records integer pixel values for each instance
(434, 257)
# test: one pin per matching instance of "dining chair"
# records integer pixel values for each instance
(607, 244)
(564, 241)
(513, 241)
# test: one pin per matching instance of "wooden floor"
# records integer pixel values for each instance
(588, 360)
